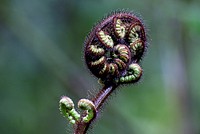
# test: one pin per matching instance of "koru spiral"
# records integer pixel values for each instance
(114, 48)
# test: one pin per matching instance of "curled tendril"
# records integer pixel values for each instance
(89, 106)
(114, 48)
(133, 74)
(67, 109)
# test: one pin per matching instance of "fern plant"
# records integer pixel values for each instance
(112, 51)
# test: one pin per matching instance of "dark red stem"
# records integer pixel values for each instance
(82, 127)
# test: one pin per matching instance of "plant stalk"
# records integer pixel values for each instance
(82, 127)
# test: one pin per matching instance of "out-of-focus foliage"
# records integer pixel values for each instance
(41, 59)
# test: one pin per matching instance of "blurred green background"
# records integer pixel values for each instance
(41, 59)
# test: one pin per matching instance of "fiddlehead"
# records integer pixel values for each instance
(112, 52)
(114, 45)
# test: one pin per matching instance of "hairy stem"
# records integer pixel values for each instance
(82, 127)
(102, 96)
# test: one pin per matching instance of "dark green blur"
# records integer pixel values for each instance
(41, 59)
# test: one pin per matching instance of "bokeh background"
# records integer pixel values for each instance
(41, 59)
